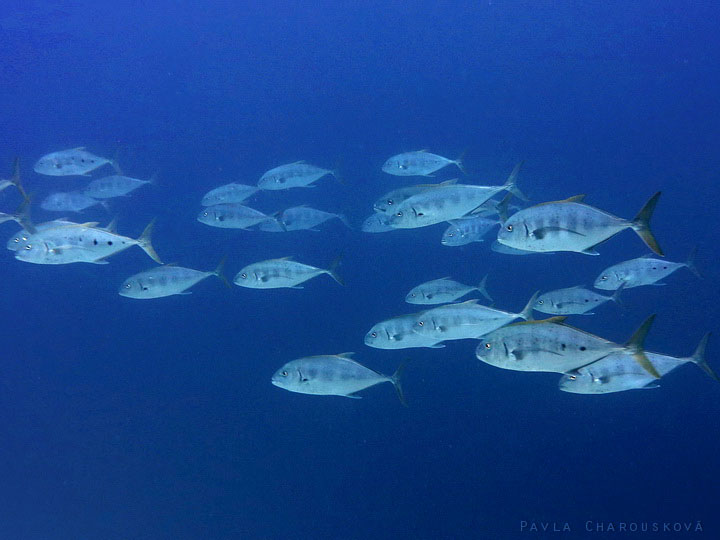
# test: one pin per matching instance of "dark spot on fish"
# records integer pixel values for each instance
(58, 165)
(562, 346)
(81, 159)
(95, 242)
(221, 218)
(583, 348)
(586, 300)
(109, 242)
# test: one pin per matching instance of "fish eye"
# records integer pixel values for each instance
(421, 323)
(373, 334)
(205, 214)
(412, 294)
(389, 202)
(127, 285)
(509, 228)
(243, 275)
(29, 246)
(399, 214)
(451, 235)
(541, 301)
(604, 278)
(284, 373)
(572, 377)
(16, 240)
(488, 346)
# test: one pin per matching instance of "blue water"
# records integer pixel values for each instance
(156, 419)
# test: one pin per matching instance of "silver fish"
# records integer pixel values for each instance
(418, 163)
(332, 375)
(389, 201)
(467, 230)
(298, 174)
(397, 333)
(443, 290)
(646, 270)
(618, 372)
(72, 201)
(572, 225)
(165, 281)
(281, 273)
(81, 243)
(573, 301)
(466, 320)
(497, 247)
(115, 185)
(232, 216)
(229, 193)
(552, 346)
(377, 223)
(73, 162)
(446, 203)
(303, 218)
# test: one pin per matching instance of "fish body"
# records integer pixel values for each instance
(397, 333)
(443, 290)
(552, 346)
(163, 281)
(572, 225)
(330, 375)
(81, 243)
(232, 216)
(647, 270)
(388, 202)
(280, 273)
(228, 193)
(115, 185)
(466, 320)
(467, 230)
(300, 218)
(497, 247)
(72, 201)
(298, 174)
(571, 301)
(74, 162)
(418, 163)
(618, 372)
(377, 223)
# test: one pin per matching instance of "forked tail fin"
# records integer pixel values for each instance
(641, 224)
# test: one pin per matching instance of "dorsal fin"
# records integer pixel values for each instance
(574, 198)
(89, 224)
(112, 226)
(552, 320)
(347, 355)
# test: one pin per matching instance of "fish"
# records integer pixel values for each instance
(14, 180)
(16, 241)
(466, 320)
(446, 203)
(300, 218)
(281, 273)
(332, 375)
(232, 216)
(166, 280)
(418, 163)
(84, 242)
(552, 346)
(646, 270)
(572, 225)
(466, 230)
(115, 185)
(298, 174)
(228, 193)
(397, 333)
(73, 162)
(443, 290)
(377, 223)
(573, 301)
(71, 201)
(618, 372)
(390, 200)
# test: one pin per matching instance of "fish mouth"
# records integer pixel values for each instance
(275, 382)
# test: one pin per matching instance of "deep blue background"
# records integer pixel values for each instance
(128, 419)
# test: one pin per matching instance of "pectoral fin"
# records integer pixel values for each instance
(351, 396)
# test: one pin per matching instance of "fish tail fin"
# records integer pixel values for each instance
(690, 263)
(459, 163)
(616, 295)
(502, 207)
(641, 224)
(698, 357)
(16, 181)
(526, 313)
(396, 380)
(145, 242)
(344, 220)
(482, 288)
(220, 272)
(114, 163)
(332, 271)
(636, 345)
(511, 183)
(153, 180)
